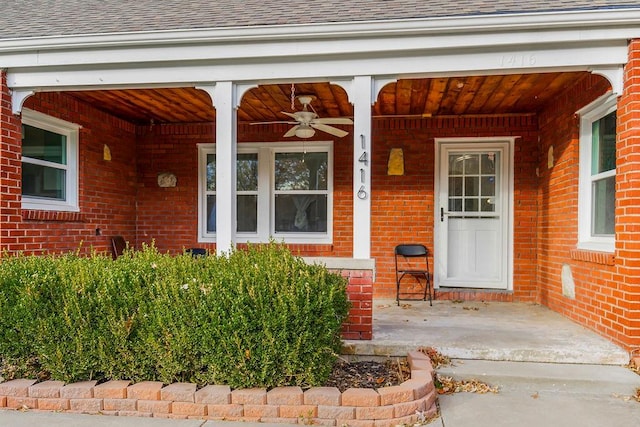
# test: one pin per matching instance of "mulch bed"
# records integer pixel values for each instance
(368, 374)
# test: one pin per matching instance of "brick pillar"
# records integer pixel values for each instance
(628, 203)
(10, 169)
(359, 325)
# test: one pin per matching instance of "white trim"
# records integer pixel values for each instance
(488, 44)
(594, 111)
(266, 155)
(361, 90)
(481, 142)
(70, 131)
(562, 20)
(225, 101)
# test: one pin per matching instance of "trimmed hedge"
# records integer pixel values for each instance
(256, 318)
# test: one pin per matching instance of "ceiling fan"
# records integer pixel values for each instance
(306, 121)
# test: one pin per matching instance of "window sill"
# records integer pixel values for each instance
(59, 216)
(603, 258)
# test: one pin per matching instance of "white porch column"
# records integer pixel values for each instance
(361, 94)
(224, 100)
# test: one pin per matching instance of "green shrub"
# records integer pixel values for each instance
(256, 318)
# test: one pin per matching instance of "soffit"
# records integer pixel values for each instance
(427, 97)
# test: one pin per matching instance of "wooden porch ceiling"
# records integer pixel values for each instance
(471, 95)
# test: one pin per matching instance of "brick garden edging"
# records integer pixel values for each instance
(388, 406)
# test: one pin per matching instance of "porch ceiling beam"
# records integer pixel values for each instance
(486, 61)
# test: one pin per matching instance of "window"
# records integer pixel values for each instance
(49, 163)
(246, 190)
(291, 185)
(596, 216)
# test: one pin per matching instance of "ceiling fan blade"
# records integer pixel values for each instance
(329, 129)
(292, 115)
(291, 132)
(334, 121)
(269, 123)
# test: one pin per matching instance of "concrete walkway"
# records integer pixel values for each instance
(485, 331)
(541, 394)
(10, 418)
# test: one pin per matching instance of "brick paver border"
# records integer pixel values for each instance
(385, 407)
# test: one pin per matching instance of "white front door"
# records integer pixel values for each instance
(472, 214)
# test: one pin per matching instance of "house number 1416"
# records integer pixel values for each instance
(362, 192)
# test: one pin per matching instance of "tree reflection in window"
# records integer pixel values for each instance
(247, 192)
(301, 192)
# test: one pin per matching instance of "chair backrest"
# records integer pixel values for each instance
(118, 245)
(196, 252)
(412, 250)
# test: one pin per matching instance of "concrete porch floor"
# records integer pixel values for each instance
(518, 332)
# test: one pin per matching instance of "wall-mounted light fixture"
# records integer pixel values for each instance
(106, 153)
(395, 166)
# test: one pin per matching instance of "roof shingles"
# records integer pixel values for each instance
(37, 18)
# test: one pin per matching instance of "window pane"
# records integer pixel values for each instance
(247, 214)
(211, 172)
(603, 219)
(487, 205)
(211, 214)
(471, 164)
(301, 213)
(488, 186)
(455, 205)
(471, 205)
(455, 186)
(247, 172)
(43, 181)
(455, 164)
(604, 144)
(301, 171)
(44, 145)
(488, 163)
(471, 184)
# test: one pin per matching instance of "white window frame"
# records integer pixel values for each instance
(266, 183)
(71, 132)
(593, 112)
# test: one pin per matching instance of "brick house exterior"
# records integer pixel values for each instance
(119, 194)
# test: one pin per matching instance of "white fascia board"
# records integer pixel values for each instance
(294, 48)
(238, 43)
(574, 57)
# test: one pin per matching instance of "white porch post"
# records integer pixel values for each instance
(361, 96)
(224, 100)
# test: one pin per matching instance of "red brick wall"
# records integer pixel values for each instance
(625, 297)
(10, 176)
(107, 188)
(412, 194)
(599, 299)
(169, 216)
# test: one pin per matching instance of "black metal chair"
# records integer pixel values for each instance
(413, 260)
(118, 245)
(196, 252)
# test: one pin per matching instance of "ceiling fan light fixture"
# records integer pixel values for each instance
(305, 131)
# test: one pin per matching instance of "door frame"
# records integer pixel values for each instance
(471, 143)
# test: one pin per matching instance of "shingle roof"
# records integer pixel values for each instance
(33, 18)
